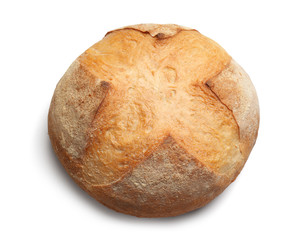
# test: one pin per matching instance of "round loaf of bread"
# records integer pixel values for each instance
(154, 120)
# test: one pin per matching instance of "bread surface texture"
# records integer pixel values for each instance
(154, 120)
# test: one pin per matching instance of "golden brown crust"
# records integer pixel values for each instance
(148, 80)
(142, 121)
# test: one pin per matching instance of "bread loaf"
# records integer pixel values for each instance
(154, 120)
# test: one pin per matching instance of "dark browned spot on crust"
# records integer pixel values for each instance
(167, 183)
(160, 35)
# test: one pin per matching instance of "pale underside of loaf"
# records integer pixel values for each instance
(152, 115)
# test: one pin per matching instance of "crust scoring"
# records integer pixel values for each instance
(73, 107)
(234, 87)
(160, 31)
(168, 183)
(148, 80)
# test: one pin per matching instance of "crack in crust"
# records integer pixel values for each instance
(106, 86)
(234, 88)
(207, 85)
(159, 31)
(73, 108)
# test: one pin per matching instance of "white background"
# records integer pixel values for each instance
(40, 39)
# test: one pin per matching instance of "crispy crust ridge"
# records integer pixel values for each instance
(235, 89)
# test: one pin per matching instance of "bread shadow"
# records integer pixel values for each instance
(90, 202)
